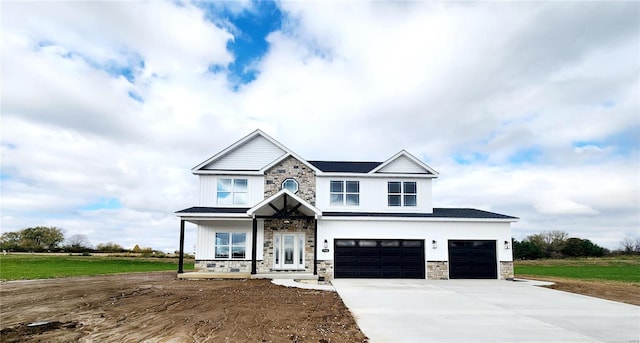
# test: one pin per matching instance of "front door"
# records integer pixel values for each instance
(288, 251)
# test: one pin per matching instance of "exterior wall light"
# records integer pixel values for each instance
(434, 244)
(506, 245)
(326, 244)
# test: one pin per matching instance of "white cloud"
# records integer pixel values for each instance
(533, 95)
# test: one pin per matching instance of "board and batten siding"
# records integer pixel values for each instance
(252, 155)
(205, 244)
(373, 195)
(208, 189)
(402, 165)
(440, 231)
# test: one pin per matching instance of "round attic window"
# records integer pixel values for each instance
(291, 185)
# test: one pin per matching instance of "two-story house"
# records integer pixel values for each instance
(266, 212)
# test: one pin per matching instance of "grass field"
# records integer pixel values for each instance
(624, 268)
(38, 266)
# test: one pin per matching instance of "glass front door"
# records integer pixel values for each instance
(288, 252)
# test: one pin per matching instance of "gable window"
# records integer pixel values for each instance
(290, 185)
(344, 193)
(232, 191)
(402, 193)
(231, 245)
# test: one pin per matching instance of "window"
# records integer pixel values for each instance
(290, 185)
(344, 193)
(402, 193)
(232, 191)
(231, 245)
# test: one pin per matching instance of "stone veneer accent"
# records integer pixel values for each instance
(506, 270)
(325, 269)
(223, 266)
(437, 270)
(271, 226)
(291, 168)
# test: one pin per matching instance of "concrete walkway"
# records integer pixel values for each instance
(483, 311)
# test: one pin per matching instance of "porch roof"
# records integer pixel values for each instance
(283, 204)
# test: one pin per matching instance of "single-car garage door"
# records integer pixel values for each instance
(379, 258)
(472, 260)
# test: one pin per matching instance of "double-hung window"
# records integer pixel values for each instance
(231, 245)
(232, 191)
(344, 193)
(402, 193)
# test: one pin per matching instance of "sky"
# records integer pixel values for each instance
(530, 109)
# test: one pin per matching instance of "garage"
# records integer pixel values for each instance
(472, 259)
(379, 258)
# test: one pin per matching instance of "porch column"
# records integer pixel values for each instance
(254, 245)
(181, 254)
(315, 246)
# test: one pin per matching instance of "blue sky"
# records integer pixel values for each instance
(529, 109)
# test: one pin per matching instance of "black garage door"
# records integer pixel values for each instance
(472, 260)
(379, 258)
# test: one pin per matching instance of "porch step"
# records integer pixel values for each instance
(203, 275)
(285, 275)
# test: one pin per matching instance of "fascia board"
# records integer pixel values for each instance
(229, 149)
(227, 172)
(381, 175)
(410, 157)
(419, 219)
(203, 216)
(266, 201)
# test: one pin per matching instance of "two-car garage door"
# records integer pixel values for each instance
(398, 258)
(379, 258)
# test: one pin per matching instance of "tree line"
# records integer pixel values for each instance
(52, 239)
(558, 244)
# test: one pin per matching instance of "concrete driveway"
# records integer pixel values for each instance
(483, 311)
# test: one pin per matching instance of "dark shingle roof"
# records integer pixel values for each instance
(462, 213)
(345, 167)
(214, 210)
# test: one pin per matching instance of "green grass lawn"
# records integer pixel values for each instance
(38, 266)
(625, 269)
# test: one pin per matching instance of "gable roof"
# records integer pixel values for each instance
(253, 154)
(345, 166)
(282, 202)
(404, 163)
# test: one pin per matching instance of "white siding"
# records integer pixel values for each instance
(208, 190)
(402, 165)
(441, 232)
(253, 155)
(373, 195)
(206, 237)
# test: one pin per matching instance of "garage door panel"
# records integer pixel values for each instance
(472, 259)
(369, 258)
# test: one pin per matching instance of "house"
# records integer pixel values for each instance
(264, 211)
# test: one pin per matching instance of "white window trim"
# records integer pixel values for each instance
(344, 193)
(291, 179)
(231, 245)
(232, 192)
(402, 194)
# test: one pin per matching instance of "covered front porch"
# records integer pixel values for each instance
(281, 232)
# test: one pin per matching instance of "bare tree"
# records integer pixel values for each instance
(78, 243)
(628, 245)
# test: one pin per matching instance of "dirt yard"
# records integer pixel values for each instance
(626, 292)
(155, 307)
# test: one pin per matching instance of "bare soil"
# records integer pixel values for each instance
(156, 307)
(626, 292)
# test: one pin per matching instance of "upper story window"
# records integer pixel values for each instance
(232, 191)
(345, 193)
(290, 185)
(402, 193)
